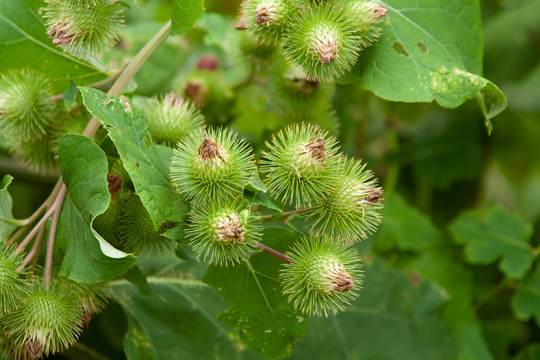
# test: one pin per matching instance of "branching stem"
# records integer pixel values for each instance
(274, 253)
(56, 208)
(284, 216)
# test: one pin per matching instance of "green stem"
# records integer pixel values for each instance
(284, 216)
(130, 70)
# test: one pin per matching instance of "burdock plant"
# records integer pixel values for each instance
(211, 164)
(322, 276)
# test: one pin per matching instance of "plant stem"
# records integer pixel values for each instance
(34, 249)
(101, 85)
(130, 70)
(284, 216)
(35, 230)
(57, 206)
(274, 253)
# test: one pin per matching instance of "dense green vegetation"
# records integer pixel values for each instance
(437, 259)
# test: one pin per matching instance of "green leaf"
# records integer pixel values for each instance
(405, 227)
(492, 234)
(144, 162)
(430, 51)
(6, 204)
(526, 300)
(444, 264)
(88, 257)
(255, 183)
(393, 318)
(24, 43)
(263, 199)
(437, 150)
(531, 352)
(137, 278)
(178, 324)
(259, 311)
(185, 14)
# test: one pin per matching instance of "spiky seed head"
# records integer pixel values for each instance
(349, 211)
(365, 15)
(300, 164)
(267, 19)
(224, 233)
(322, 41)
(172, 118)
(135, 228)
(26, 108)
(211, 165)
(322, 278)
(90, 297)
(45, 322)
(84, 28)
(13, 283)
(37, 155)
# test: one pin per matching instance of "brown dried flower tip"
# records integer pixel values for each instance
(114, 182)
(59, 33)
(342, 280)
(232, 230)
(172, 99)
(317, 149)
(34, 348)
(242, 24)
(379, 11)
(196, 93)
(209, 149)
(327, 47)
(374, 195)
(264, 14)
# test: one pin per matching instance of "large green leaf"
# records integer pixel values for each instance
(444, 265)
(178, 323)
(405, 227)
(259, 311)
(526, 301)
(430, 51)
(24, 43)
(394, 317)
(128, 129)
(493, 234)
(6, 204)
(88, 257)
(185, 14)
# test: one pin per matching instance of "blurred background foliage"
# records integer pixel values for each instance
(453, 271)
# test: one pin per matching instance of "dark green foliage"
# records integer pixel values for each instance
(448, 216)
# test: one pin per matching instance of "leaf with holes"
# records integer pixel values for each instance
(259, 311)
(492, 234)
(430, 51)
